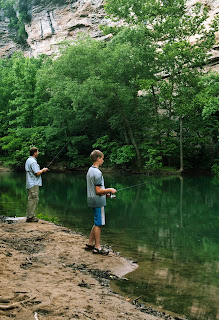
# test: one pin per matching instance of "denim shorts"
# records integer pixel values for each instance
(99, 216)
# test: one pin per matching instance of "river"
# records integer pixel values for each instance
(168, 225)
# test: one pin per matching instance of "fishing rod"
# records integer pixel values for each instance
(135, 185)
(58, 154)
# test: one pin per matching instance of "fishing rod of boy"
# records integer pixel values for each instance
(112, 196)
(57, 154)
(135, 185)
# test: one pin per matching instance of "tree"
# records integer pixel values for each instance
(100, 83)
(20, 129)
(170, 26)
(207, 104)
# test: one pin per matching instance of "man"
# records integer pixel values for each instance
(33, 182)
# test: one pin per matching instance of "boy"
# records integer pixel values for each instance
(96, 199)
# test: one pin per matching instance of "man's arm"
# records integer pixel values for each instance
(41, 171)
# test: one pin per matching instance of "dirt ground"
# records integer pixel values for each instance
(45, 273)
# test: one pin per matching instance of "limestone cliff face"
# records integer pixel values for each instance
(213, 6)
(7, 45)
(52, 24)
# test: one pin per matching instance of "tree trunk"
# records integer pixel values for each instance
(132, 138)
(131, 135)
(126, 136)
(156, 113)
(181, 145)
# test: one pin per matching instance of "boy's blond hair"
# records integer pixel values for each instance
(96, 154)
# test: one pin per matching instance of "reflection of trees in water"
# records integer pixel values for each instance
(162, 283)
(13, 193)
(181, 201)
(157, 228)
(181, 273)
(180, 276)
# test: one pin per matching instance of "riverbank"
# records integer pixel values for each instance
(46, 274)
(64, 168)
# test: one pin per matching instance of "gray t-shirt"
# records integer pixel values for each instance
(95, 178)
(32, 167)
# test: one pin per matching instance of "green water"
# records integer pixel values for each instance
(169, 226)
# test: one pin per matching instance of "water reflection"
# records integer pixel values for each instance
(169, 226)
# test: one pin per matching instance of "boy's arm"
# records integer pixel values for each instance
(102, 192)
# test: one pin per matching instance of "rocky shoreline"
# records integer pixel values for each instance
(46, 274)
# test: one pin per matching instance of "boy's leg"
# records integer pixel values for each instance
(99, 220)
(95, 237)
(91, 237)
(97, 233)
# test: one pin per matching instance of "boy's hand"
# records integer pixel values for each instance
(102, 192)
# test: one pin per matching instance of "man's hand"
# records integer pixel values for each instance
(41, 171)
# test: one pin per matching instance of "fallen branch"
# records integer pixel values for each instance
(4, 300)
(135, 300)
(15, 305)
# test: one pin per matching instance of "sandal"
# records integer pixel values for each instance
(100, 251)
(89, 247)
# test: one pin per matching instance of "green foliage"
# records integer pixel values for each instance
(105, 144)
(24, 8)
(21, 128)
(155, 161)
(47, 218)
(208, 97)
(123, 155)
(215, 169)
(128, 97)
(17, 22)
(173, 79)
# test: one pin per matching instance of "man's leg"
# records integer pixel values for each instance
(33, 197)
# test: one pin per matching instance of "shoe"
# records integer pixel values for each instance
(32, 220)
(88, 247)
(100, 251)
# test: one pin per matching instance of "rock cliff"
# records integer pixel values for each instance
(53, 22)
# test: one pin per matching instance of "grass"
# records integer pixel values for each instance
(47, 218)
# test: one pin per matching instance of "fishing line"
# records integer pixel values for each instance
(135, 185)
(58, 154)
(113, 196)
